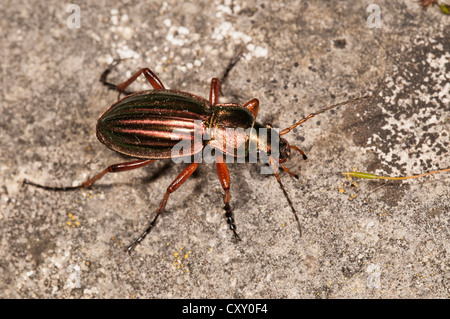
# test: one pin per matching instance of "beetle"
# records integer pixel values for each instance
(147, 125)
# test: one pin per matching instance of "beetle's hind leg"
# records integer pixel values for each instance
(224, 177)
(151, 77)
(116, 168)
(105, 74)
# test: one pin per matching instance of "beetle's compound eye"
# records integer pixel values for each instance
(285, 150)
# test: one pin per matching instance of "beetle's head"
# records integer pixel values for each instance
(282, 152)
(285, 150)
(285, 153)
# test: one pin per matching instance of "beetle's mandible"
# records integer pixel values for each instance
(147, 125)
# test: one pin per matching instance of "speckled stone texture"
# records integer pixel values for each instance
(361, 238)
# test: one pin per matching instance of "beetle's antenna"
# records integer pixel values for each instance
(290, 128)
(271, 161)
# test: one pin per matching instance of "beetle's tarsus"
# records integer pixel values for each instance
(230, 220)
(137, 241)
(131, 247)
(51, 188)
(109, 85)
(230, 66)
(299, 226)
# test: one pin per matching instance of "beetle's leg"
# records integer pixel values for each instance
(184, 175)
(151, 78)
(120, 167)
(230, 66)
(214, 91)
(216, 83)
(252, 106)
(275, 173)
(224, 178)
(104, 77)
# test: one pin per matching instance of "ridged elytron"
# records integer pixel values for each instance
(142, 125)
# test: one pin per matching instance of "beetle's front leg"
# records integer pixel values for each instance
(184, 175)
(224, 177)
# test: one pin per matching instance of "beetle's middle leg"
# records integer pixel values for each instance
(224, 177)
(184, 175)
(214, 91)
(216, 83)
(231, 65)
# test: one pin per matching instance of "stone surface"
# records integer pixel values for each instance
(361, 238)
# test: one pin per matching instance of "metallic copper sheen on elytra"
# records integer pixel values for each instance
(149, 124)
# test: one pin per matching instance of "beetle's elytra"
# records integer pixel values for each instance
(147, 125)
